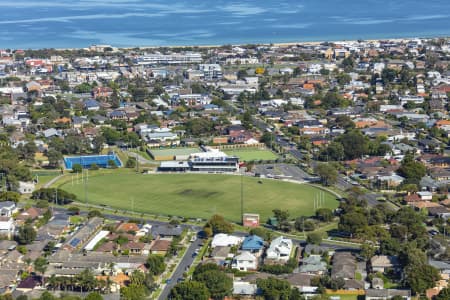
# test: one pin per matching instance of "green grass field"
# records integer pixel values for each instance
(197, 195)
(252, 154)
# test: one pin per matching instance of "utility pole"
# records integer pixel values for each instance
(85, 188)
(242, 198)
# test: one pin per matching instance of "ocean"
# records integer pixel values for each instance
(127, 23)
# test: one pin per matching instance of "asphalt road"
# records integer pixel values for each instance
(182, 267)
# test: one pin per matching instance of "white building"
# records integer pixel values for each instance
(7, 208)
(245, 262)
(412, 99)
(280, 249)
(26, 187)
(6, 226)
(222, 239)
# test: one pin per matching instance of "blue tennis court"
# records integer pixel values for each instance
(87, 160)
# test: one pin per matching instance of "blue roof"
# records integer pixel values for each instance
(91, 103)
(252, 242)
(74, 242)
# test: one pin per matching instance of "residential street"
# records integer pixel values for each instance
(182, 267)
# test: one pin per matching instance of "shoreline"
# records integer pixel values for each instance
(278, 44)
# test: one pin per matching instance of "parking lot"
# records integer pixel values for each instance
(282, 171)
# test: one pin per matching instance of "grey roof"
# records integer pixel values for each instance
(322, 267)
(7, 204)
(316, 249)
(244, 288)
(387, 293)
(50, 132)
(220, 251)
(166, 230)
(298, 279)
(441, 265)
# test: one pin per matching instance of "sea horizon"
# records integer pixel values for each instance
(65, 24)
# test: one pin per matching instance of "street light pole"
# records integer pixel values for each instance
(242, 198)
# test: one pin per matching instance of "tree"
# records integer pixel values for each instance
(189, 290)
(40, 265)
(261, 232)
(137, 278)
(302, 224)
(334, 151)
(344, 122)
(94, 296)
(296, 295)
(98, 142)
(324, 214)
(77, 168)
(155, 264)
(131, 163)
(444, 294)
(202, 268)
(9, 196)
(54, 157)
(281, 216)
(218, 283)
(112, 164)
(219, 225)
(26, 235)
(314, 238)
(337, 283)
(94, 213)
(274, 289)
(367, 250)
(133, 292)
(327, 173)
(355, 144)
(86, 280)
(421, 277)
(412, 170)
(73, 210)
(352, 222)
(94, 167)
(47, 296)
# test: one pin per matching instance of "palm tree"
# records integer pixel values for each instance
(53, 282)
(109, 282)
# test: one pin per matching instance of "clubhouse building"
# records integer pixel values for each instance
(212, 160)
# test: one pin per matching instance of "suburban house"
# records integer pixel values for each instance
(83, 234)
(245, 262)
(91, 105)
(381, 263)
(163, 231)
(7, 208)
(223, 239)
(160, 247)
(386, 294)
(244, 289)
(221, 253)
(279, 250)
(7, 226)
(313, 265)
(133, 247)
(253, 244)
(344, 266)
(26, 187)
